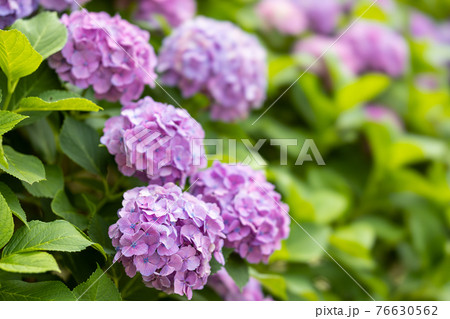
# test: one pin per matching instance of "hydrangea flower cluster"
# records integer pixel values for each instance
(296, 16)
(107, 53)
(169, 237)
(225, 287)
(283, 16)
(155, 142)
(11, 10)
(314, 46)
(255, 219)
(219, 60)
(377, 48)
(61, 5)
(175, 12)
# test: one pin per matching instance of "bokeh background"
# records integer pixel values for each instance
(376, 105)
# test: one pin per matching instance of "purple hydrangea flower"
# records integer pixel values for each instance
(323, 16)
(155, 142)
(175, 12)
(285, 16)
(11, 10)
(377, 48)
(315, 46)
(255, 219)
(61, 5)
(169, 237)
(219, 60)
(226, 288)
(377, 113)
(423, 27)
(296, 16)
(107, 53)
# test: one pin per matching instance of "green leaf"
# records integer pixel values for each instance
(80, 143)
(31, 104)
(364, 89)
(98, 232)
(3, 160)
(31, 262)
(42, 140)
(42, 80)
(17, 56)
(47, 188)
(8, 120)
(273, 283)
(238, 270)
(24, 167)
(355, 239)
(215, 265)
(58, 235)
(15, 290)
(45, 32)
(97, 288)
(13, 203)
(299, 247)
(62, 207)
(6, 222)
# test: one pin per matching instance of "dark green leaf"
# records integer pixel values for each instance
(238, 270)
(62, 207)
(54, 182)
(80, 143)
(14, 290)
(97, 288)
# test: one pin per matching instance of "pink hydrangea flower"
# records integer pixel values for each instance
(217, 59)
(315, 46)
(169, 237)
(285, 16)
(377, 48)
(61, 5)
(255, 218)
(155, 142)
(106, 53)
(226, 288)
(175, 12)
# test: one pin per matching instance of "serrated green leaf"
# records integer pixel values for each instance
(8, 120)
(62, 207)
(53, 183)
(58, 235)
(3, 161)
(31, 262)
(45, 32)
(32, 104)
(97, 288)
(238, 270)
(80, 143)
(27, 168)
(15, 290)
(13, 203)
(17, 56)
(98, 232)
(6, 222)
